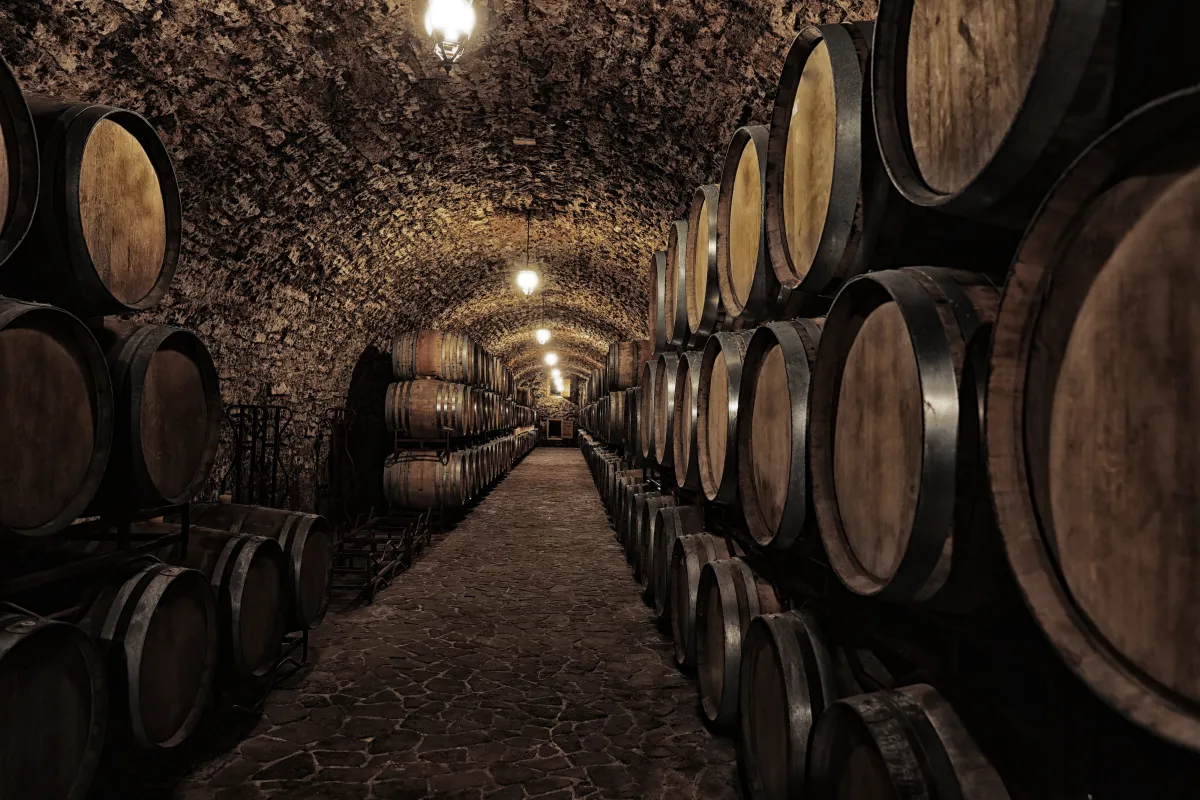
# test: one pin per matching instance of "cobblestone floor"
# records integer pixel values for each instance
(514, 660)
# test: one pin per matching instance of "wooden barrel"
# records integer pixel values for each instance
(168, 416)
(685, 413)
(728, 596)
(887, 466)
(428, 409)
(624, 363)
(664, 409)
(750, 292)
(437, 354)
(55, 708)
(670, 523)
(900, 744)
(20, 170)
(646, 409)
(657, 328)
(307, 543)
(633, 516)
(633, 417)
(788, 679)
(773, 462)
(157, 627)
(248, 576)
(106, 234)
(980, 109)
(717, 415)
(56, 418)
(626, 487)
(704, 312)
(688, 558)
(616, 417)
(824, 190)
(676, 285)
(644, 545)
(1085, 413)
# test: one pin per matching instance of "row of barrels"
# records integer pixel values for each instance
(866, 429)
(106, 419)
(423, 479)
(433, 409)
(454, 358)
(776, 677)
(90, 211)
(927, 137)
(154, 640)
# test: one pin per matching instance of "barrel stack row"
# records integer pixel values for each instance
(114, 418)
(453, 358)
(421, 479)
(828, 337)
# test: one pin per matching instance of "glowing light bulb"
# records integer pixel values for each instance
(551, 359)
(452, 19)
(543, 335)
(556, 373)
(527, 279)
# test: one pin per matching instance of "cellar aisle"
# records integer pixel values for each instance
(514, 660)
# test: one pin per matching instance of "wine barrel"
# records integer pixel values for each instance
(717, 415)
(887, 467)
(633, 417)
(1090, 471)
(168, 420)
(664, 409)
(646, 409)
(677, 285)
(106, 234)
(670, 523)
(307, 543)
(750, 292)
(900, 744)
(728, 596)
(688, 558)
(437, 354)
(55, 708)
(645, 550)
(158, 630)
(773, 460)
(20, 171)
(788, 679)
(428, 409)
(633, 517)
(625, 492)
(980, 109)
(705, 315)
(624, 363)
(657, 330)
(56, 418)
(685, 413)
(824, 190)
(247, 575)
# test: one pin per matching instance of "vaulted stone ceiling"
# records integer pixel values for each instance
(340, 187)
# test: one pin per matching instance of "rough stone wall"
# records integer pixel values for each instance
(339, 187)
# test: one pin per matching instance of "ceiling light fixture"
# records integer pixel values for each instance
(543, 335)
(527, 279)
(556, 373)
(449, 22)
(551, 359)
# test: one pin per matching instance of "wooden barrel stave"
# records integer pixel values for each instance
(106, 235)
(168, 421)
(705, 314)
(728, 596)
(55, 397)
(1064, 385)
(685, 420)
(886, 387)
(307, 543)
(717, 415)
(55, 698)
(690, 555)
(20, 169)
(905, 744)
(773, 431)
(157, 628)
(670, 523)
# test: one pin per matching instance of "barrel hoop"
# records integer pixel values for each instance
(927, 748)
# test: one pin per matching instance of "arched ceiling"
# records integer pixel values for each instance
(339, 186)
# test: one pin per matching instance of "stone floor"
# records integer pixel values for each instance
(514, 660)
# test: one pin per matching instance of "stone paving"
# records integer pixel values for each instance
(514, 660)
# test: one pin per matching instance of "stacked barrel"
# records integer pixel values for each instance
(828, 321)
(449, 390)
(116, 419)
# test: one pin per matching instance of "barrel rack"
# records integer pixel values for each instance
(369, 556)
